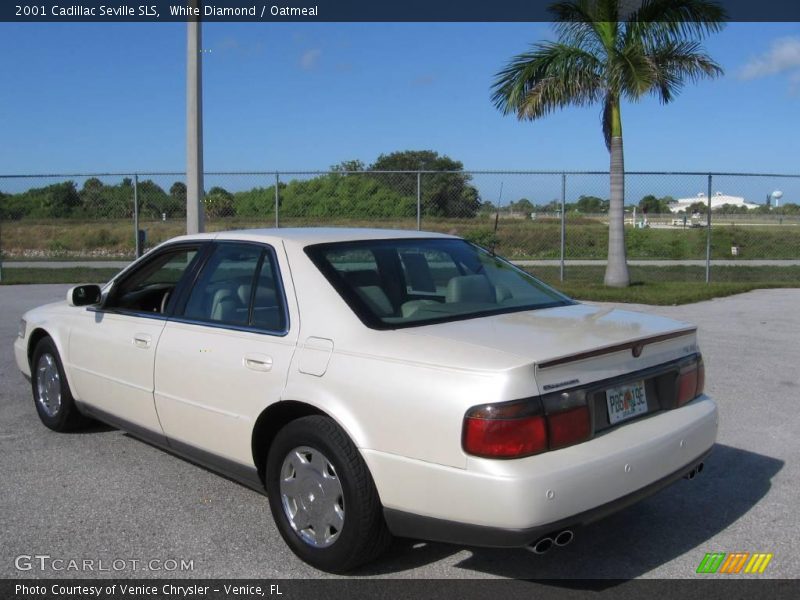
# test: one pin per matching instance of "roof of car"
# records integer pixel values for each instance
(317, 235)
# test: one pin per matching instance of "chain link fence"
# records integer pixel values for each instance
(557, 220)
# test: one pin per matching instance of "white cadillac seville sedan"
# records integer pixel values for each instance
(378, 382)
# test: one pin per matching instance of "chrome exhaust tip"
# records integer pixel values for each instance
(564, 538)
(541, 546)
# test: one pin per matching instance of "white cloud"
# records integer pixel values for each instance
(309, 59)
(783, 56)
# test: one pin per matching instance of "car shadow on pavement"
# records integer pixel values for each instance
(93, 427)
(678, 520)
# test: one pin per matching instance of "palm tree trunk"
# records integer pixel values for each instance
(617, 266)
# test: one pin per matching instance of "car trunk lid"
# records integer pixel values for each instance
(577, 344)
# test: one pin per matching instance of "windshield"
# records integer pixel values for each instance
(407, 282)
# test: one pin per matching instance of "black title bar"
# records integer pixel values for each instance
(390, 589)
(33, 11)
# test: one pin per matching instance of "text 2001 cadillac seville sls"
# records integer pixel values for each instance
(378, 382)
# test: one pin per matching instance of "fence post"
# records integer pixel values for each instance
(137, 245)
(708, 233)
(419, 201)
(277, 199)
(563, 223)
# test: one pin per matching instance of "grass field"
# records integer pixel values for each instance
(520, 239)
(668, 285)
(650, 285)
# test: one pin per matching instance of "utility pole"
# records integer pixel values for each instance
(195, 221)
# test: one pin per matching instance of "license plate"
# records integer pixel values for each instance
(626, 401)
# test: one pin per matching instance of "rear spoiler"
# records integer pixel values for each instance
(636, 346)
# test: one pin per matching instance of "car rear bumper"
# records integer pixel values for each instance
(513, 502)
(409, 525)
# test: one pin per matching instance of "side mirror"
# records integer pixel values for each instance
(84, 295)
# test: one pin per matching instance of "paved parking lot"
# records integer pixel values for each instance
(103, 495)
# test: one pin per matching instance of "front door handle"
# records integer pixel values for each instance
(142, 340)
(258, 362)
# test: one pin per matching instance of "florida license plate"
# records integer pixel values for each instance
(626, 402)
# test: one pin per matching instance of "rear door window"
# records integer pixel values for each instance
(239, 285)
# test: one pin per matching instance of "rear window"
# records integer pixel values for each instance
(391, 284)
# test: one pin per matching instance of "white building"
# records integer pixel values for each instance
(717, 200)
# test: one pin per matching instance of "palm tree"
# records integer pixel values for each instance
(607, 52)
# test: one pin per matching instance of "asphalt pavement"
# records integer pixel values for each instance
(104, 496)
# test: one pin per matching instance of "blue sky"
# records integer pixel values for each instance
(111, 97)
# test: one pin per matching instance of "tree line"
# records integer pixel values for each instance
(350, 189)
(649, 204)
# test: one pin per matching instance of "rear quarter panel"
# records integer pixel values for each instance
(389, 390)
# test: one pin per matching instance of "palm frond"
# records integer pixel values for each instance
(584, 23)
(675, 63)
(660, 21)
(573, 21)
(551, 76)
(630, 72)
(607, 10)
(608, 50)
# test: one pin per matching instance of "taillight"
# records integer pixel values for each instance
(526, 427)
(691, 380)
(701, 375)
(569, 427)
(568, 418)
(505, 430)
(505, 438)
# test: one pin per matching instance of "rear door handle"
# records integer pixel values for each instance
(258, 362)
(142, 340)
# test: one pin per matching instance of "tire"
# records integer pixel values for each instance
(51, 394)
(331, 517)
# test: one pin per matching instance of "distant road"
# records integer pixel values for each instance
(118, 264)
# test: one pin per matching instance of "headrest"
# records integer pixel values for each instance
(470, 288)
